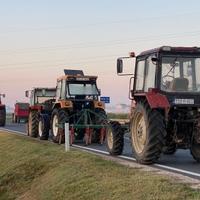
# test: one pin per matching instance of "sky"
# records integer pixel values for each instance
(40, 38)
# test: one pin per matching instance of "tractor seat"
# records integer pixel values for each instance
(179, 84)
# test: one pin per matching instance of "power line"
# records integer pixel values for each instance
(80, 26)
(104, 43)
(96, 58)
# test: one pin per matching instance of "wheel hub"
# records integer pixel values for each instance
(110, 138)
(55, 125)
(139, 134)
(40, 128)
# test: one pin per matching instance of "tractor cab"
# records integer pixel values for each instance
(170, 71)
(38, 96)
(78, 90)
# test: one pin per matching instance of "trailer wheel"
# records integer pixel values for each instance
(43, 127)
(33, 124)
(147, 134)
(58, 119)
(195, 149)
(2, 116)
(115, 138)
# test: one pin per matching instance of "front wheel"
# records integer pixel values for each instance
(58, 118)
(43, 127)
(33, 123)
(195, 148)
(115, 138)
(147, 133)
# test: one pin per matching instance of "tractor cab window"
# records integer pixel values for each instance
(32, 98)
(40, 97)
(150, 74)
(58, 89)
(82, 89)
(180, 74)
(140, 75)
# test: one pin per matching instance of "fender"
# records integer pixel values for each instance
(157, 100)
(35, 107)
(63, 104)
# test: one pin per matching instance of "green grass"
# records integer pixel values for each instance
(118, 115)
(30, 169)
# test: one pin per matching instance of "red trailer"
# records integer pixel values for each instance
(21, 112)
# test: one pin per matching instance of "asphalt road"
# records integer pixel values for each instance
(181, 162)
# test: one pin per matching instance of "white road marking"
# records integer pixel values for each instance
(123, 157)
(133, 159)
(90, 149)
(10, 130)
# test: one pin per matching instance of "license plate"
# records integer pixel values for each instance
(184, 101)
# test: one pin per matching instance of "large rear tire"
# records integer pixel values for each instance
(147, 133)
(100, 119)
(33, 124)
(195, 147)
(2, 116)
(43, 127)
(58, 118)
(114, 138)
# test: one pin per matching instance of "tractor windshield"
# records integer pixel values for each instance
(83, 89)
(180, 74)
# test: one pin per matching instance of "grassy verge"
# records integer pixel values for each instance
(117, 115)
(30, 169)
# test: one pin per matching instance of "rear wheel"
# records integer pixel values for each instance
(115, 138)
(195, 148)
(2, 116)
(147, 134)
(33, 124)
(100, 119)
(58, 119)
(43, 127)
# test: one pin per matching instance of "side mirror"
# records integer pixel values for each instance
(43, 92)
(119, 66)
(26, 93)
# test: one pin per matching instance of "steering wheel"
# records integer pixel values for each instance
(165, 81)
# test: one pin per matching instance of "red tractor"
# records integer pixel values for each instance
(21, 112)
(165, 94)
(2, 112)
(41, 101)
